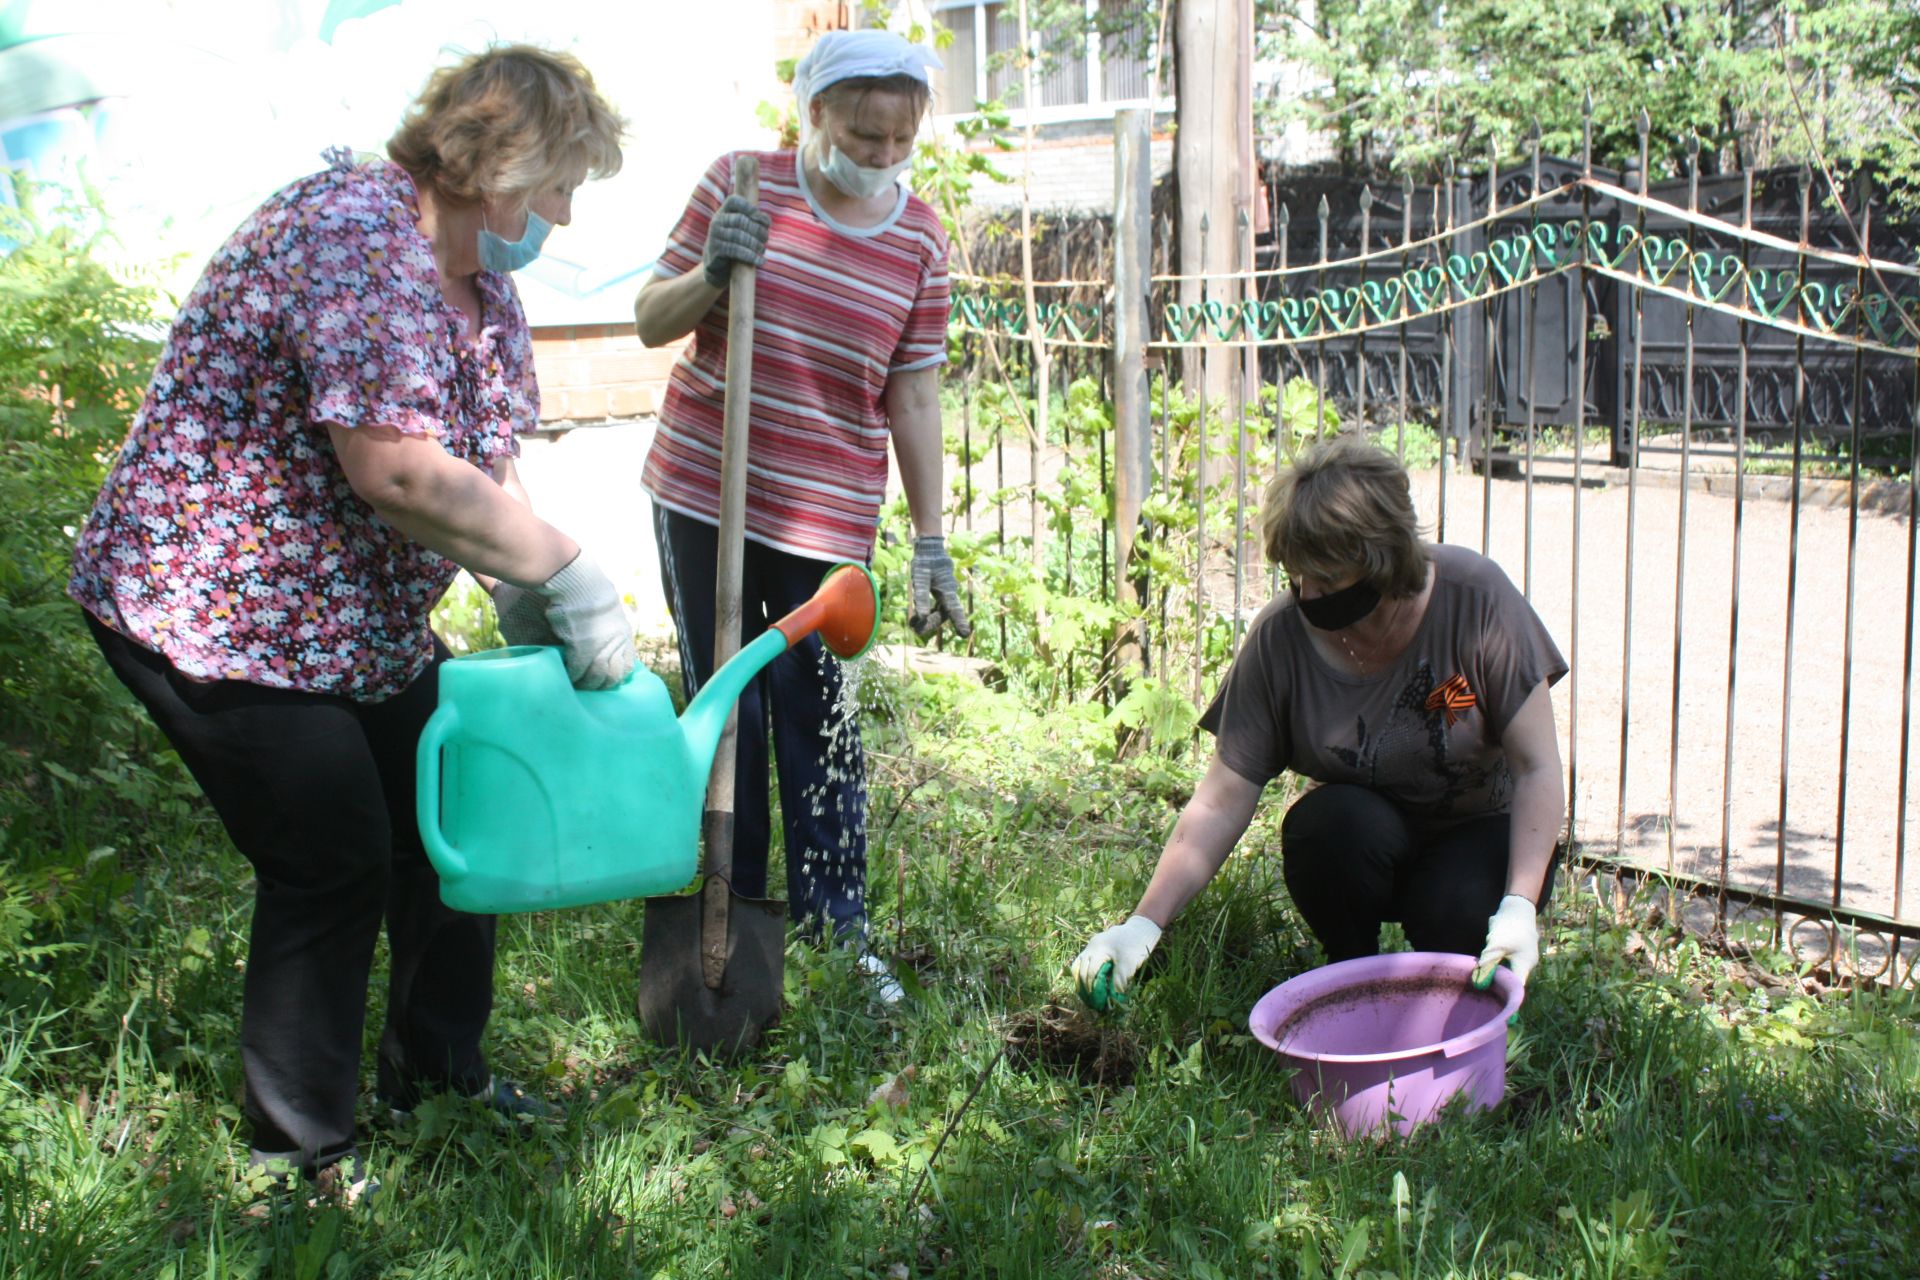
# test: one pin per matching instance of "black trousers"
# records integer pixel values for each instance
(816, 749)
(1353, 861)
(317, 792)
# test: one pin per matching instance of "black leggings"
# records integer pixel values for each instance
(317, 792)
(1353, 861)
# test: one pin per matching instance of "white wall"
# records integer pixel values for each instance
(187, 113)
(587, 482)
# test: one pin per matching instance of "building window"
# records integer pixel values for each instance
(1087, 68)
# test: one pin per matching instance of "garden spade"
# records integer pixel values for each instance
(711, 962)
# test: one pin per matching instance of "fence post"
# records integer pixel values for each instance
(1132, 408)
(1465, 370)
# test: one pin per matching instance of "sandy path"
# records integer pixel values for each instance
(1687, 816)
(588, 480)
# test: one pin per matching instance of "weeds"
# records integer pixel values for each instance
(1662, 1118)
(1672, 1109)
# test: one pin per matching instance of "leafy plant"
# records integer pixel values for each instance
(75, 351)
(1412, 83)
(76, 347)
(464, 618)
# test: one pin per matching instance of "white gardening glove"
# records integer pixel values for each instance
(936, 590)
(596, 637)
(1127, 945)
(521, 615)
(1513, 935)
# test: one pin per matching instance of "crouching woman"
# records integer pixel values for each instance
(1410, 681)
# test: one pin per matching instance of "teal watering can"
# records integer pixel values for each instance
(535, 795)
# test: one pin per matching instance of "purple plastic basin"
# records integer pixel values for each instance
(1391, 1038)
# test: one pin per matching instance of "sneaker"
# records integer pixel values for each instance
(336, 1185)
(886, 988)
(502, 1097)
(343, 1184)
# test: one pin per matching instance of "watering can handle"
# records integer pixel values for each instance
(447, 860)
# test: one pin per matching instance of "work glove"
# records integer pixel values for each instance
(584, 610)
(1513, 935)
(1127, 945)
(737, 233)
(936, 591)
(521, 615)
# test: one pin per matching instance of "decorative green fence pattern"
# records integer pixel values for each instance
(1881, 314)
(1687, 333)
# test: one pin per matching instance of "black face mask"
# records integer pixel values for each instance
(1339, 609)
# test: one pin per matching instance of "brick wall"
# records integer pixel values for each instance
(592, 372)
(798, 23)
(1068, 173)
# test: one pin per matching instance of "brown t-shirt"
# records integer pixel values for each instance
(1425, 731)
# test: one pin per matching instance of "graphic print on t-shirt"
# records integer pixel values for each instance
(1414, 740)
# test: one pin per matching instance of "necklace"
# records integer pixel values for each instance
(1373, 650)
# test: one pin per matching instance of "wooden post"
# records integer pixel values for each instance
(1213, 148)
(1132, 401)
(1036, 333)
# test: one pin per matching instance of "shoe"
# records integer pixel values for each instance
(343, 1183)
(337, 1185)
(502, 1097)
(886, 988)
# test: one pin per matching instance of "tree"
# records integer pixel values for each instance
(1406, 83)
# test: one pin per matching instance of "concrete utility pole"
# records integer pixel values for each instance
(1213, 155)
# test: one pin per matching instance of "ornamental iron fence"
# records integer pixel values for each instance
(1682, 415)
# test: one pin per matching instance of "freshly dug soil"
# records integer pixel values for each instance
(1071, 1042)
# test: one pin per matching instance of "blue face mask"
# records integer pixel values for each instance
(497, 254)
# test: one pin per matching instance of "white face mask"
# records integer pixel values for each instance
(856, 180)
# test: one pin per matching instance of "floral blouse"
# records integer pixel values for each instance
(226, 536)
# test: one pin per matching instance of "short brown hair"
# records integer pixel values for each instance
(508, 121)
(1345, 506)
(852, 93)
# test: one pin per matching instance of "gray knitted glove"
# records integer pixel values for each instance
(737, 233)
(585, 612)
(521, 615)
(936, 591)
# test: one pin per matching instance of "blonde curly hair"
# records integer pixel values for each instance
(508, 121)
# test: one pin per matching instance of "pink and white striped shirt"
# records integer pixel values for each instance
(838, 310)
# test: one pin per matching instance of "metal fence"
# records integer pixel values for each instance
(1491, 383)
(1682, 416)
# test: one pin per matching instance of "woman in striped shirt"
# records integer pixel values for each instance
(850, 328)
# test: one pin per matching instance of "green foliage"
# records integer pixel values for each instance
(944, 174)
(75, 341)
(1416, 444)
(1414, 82)
(1301, 413)
(1669, 1111)
(1044, 614)
(75, 352)
(74, 358)
(464, 618)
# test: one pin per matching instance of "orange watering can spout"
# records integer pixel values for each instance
(845, 611)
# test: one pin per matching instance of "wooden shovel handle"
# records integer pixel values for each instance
(728, 568)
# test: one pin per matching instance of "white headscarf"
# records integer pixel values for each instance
(849, 55)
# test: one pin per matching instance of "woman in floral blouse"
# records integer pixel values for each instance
(329, 434)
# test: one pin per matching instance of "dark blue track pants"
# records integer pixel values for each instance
(816, 749)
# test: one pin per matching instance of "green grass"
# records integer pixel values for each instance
(1670, 1112)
